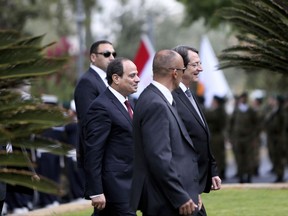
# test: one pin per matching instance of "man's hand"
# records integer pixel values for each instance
(99, 202)
(187, 208)
(216, 183)
(200, 203)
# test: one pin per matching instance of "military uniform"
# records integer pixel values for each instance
(259, 127)
(216, 120)
(275, 129)
(242, 128)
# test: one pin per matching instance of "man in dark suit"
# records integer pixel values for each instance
(92, 83)
(2, 184)
(107, 132)
(194, 120)
(165, 174)
(2, 195)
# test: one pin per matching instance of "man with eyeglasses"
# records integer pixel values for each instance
(91, 84)
(194, 120)
(165, 176)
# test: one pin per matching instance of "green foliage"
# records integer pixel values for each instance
(55, 19)
(10, 11)
(25, 178)
(22, 119)
(263, 38)
(205, 9)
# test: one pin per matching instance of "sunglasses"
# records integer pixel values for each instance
(107, 54)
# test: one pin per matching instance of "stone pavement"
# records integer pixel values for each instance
(63, 208)
(264, 173)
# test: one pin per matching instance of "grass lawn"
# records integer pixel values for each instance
(237, 202)
(248, 202)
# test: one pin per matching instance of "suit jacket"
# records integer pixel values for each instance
(2, 191)
(2, 184)
(107, 131)
(165, 172)
(87, 89)
(199, 133)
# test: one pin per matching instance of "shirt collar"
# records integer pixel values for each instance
(100, 72)
(119, 96)
(164, 90)
(183, 87)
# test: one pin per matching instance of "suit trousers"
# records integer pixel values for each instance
(115, 209)
(1, 206)
(202, 212)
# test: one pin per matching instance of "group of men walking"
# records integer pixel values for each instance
(155, 156)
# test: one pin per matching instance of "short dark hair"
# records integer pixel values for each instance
(162, 60)
(94, 46)
(115, 67)
(183, 51)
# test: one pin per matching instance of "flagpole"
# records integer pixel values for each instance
(150, 32)
(80, 17)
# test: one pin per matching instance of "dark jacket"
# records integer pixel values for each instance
(200, 136)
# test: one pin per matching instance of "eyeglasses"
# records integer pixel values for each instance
(196, 64)
(107, 54)
(181, 69)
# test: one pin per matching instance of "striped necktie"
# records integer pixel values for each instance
(127, 104)
(190, 97)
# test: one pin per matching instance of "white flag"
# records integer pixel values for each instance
(213, 80)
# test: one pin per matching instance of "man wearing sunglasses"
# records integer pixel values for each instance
(91, 84)
(194, 120)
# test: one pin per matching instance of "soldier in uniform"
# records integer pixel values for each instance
(242, 127)
(258, 108)
(216, 118)
(275, 129)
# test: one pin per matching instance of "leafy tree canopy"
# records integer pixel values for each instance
(23, 117)
(204, 9)
(262, 38)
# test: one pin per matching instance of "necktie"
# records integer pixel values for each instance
(174, 104)
(129, 108)
(190, 97)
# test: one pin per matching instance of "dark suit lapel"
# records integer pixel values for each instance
(100, 83)
(201, 113)
(117, 103)
(188, 104)
(175, 114)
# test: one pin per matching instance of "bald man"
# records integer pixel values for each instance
(165, 175)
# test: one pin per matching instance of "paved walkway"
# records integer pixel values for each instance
(264, 172)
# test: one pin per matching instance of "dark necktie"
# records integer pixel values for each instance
(174, 104)
(129, 108)
(190, 97)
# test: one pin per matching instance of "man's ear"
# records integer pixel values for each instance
(115, 79)
(93, 57)
(174, 74)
